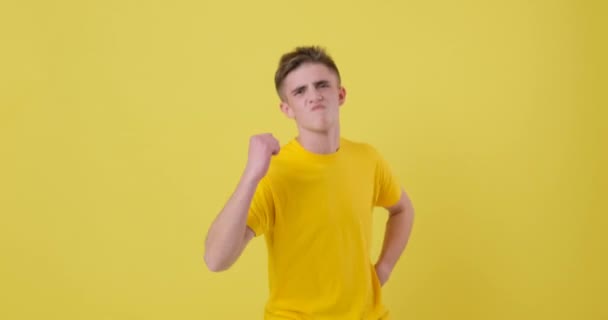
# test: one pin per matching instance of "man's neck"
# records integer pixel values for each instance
(320, 142)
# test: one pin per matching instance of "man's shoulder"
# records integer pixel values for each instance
(360, 147)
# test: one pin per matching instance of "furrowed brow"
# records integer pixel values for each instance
(300, 88)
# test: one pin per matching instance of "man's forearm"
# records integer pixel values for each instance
(396, 236)
(227, 232)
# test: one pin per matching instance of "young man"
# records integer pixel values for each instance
(313, 199)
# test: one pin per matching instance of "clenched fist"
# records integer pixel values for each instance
(261, 148)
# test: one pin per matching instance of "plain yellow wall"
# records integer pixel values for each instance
(124, 128)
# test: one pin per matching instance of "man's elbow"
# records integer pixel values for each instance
(409, 214)
(215, 265)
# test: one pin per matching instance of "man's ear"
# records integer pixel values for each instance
(341, 96)
(286, 109)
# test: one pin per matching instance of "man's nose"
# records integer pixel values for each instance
(315, 95)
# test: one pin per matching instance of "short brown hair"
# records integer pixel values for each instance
(300, 55)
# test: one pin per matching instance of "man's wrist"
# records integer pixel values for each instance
(249, 179)
(384, 267)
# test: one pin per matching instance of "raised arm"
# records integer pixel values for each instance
(228, 235)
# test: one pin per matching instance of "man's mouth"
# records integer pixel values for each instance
(318, 107)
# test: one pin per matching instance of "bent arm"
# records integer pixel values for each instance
(397, 234)
(228, 235)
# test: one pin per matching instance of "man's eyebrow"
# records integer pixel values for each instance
(297, 89)
(316, 84)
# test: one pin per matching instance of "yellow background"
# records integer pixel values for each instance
(124, 128)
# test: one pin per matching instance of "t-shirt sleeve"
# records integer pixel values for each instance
(262, 209)
(387, 188)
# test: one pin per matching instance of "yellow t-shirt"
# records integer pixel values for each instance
(316, 214)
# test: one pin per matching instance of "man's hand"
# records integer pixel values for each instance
(383, 273)
(261, 149)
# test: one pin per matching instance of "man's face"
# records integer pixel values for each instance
(312, 97)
